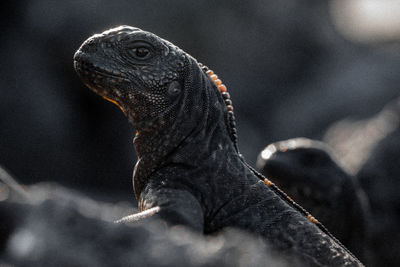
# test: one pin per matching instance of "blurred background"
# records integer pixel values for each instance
(293, 68)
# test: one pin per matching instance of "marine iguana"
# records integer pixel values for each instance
(189, 169)
(307, 171)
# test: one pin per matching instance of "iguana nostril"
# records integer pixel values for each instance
(77, 56)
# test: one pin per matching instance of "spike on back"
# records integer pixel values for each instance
(228, 102)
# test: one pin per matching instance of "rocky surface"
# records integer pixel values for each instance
(370, 149)
(309, 173)
(64, 228)
(380, 179)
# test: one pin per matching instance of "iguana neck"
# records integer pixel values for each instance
(189, 135)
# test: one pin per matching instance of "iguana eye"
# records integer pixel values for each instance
(141, 52)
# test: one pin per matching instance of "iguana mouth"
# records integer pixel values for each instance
(87, 69)
(95, 78)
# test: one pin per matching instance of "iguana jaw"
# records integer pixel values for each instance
(95, 78)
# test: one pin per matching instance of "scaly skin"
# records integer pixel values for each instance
(188, 164)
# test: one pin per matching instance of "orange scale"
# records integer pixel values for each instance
(213, 77)
(268, 182)
(222, 88)
(311, 218)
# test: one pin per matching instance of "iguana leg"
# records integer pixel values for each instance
(174, 206)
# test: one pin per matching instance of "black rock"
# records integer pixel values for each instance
(64, 228)
(380, 179)
(309, 174)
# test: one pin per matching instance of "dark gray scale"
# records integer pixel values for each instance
(307, 172)
(380, 179)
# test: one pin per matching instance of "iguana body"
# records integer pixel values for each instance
(188, 162)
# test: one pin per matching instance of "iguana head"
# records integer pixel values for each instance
(171, 99)
(137, 70)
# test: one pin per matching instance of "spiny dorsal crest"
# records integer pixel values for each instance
(228, 102)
